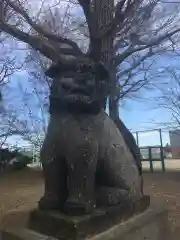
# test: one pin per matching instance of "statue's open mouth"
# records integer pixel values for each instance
(78, 95)
(78, 98)
(75, 90)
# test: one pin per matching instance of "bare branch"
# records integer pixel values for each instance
(136, 64)
(34, 41)
(39, 29)
(121, 57)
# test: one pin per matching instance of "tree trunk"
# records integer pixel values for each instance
(113, 107)
(113, 102)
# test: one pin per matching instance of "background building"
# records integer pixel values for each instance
(175, 143)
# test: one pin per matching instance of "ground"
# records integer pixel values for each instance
(21, 190)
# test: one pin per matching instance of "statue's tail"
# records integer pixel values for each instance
(130, 142)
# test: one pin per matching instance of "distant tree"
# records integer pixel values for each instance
(8, 66)
(168, 96)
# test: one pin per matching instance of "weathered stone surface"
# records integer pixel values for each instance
(82, 154)
(80, 227)
(86, 161)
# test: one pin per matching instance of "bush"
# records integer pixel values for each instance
(14, 159)
(21, 162)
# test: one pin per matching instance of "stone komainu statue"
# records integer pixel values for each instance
(86, 161)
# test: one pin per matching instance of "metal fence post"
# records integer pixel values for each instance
(137, 138)
(162, 152)
(150, 159)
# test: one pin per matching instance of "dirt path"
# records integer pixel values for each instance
(164, 190)
(23, 189)
(20, 190)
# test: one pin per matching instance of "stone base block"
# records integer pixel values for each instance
(80, 227)
(151, 225)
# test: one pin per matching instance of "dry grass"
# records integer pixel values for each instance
(21, 190)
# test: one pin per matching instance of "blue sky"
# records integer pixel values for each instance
(141, 119)
(145, 114)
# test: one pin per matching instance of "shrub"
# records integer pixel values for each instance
(21, 162)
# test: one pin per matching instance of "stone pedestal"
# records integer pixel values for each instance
(80, 227)
(151, 225)
(120, 222)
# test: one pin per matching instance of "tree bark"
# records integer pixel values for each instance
(113, 100)
(113, 108)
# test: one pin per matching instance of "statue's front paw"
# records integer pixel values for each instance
(49, 203)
